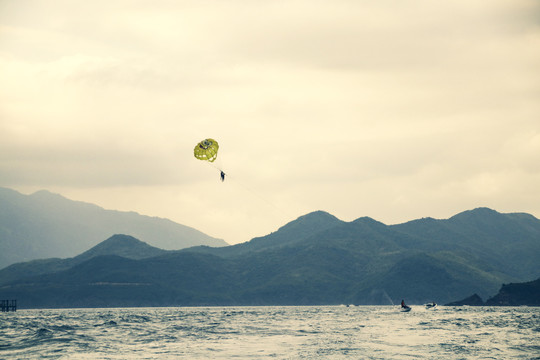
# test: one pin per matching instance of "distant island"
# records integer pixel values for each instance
(316, 259)
(516, 294)
(473, 300)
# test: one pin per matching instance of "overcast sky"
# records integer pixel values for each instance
(390, 109)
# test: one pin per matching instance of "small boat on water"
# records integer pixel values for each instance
(404, 307)
(431, 305)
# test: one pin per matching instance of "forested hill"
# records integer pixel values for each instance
(514, 294)
(506, 245)
(316, 259)
(517, 294)
(44, 225)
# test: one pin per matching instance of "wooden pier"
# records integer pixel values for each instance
(8, 305)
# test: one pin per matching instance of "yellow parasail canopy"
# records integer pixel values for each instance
(206, 150)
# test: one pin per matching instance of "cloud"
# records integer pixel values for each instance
(389, 109)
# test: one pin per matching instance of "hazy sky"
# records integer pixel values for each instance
(390, 109)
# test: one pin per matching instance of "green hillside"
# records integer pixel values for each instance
(44, 225)
(316, 259)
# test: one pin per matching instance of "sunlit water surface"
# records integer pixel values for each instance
(325, 332)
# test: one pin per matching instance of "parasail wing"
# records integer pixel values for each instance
(206, 150)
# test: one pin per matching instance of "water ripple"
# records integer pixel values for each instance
(271, 333)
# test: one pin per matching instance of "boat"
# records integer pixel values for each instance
(405, 308)
(431, 305)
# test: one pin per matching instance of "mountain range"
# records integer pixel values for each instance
(44, 224)
(315, 259)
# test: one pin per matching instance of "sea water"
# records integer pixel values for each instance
(314, 332)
